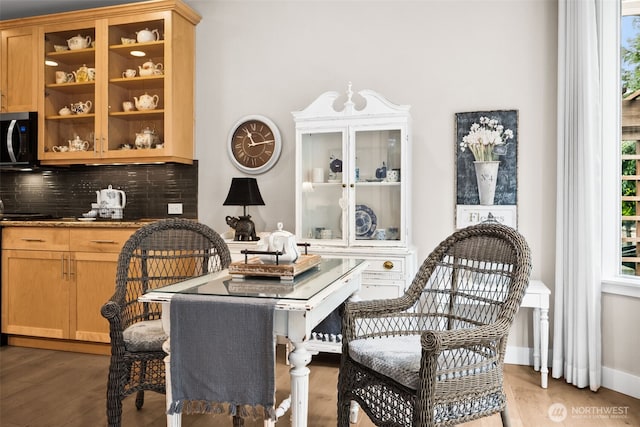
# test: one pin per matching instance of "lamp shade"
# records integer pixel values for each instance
(244, 192)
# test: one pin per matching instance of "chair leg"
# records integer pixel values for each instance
(114, 404)
(139, 399)
(505, 417)
(344, 407)
(114, 411)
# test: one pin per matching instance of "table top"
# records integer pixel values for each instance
(302, 288)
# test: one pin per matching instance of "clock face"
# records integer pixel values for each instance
(254, 144)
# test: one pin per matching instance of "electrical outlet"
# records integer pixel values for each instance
(174, 208)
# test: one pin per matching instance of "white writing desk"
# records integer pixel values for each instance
(297, 312)
(537, 297)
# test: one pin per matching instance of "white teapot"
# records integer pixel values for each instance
(150, 69)
(79, 42)
(146, 138)
(146, 102)
(81, 107)
(282, 241)
(77, 144)
(147, 35)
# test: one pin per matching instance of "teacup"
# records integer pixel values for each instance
(60, 148)
(159, 146)
(129, 73)
(381, 234)
(127, 40)
(126, 147)
(128, 106)
(91, 72)
(64, 111)
(393, 175)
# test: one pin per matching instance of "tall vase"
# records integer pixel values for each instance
(486, 175)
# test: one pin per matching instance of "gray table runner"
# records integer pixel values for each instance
(222, 353)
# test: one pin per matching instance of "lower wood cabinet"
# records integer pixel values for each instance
(54, 280)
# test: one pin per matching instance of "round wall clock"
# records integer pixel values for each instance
(254, 144)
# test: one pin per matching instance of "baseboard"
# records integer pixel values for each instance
(521, 356)
(622, 382)
(613, 379)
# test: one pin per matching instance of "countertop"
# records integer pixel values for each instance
(73, 222)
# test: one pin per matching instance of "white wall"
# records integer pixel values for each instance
(439, 56)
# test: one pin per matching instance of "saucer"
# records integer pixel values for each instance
(86, 219)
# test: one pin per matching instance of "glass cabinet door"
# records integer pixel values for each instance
(70, 75)
(351, 170)
(322, 213)
(136, 95)
(377, 193)
(105, 90)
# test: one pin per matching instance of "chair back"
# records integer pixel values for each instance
(162, 253)
(476, 276)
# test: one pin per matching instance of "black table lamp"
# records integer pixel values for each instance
(243, 192)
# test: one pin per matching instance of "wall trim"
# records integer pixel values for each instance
(613, 379)
(620, 381)
(519, 356)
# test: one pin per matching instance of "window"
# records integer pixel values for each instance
(621, 149)
(630, 146)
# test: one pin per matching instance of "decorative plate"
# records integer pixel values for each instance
(366, 221)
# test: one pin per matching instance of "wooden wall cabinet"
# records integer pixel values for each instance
(109, 130)
(55, 280)
(19, 64)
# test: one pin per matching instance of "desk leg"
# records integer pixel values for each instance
(299, 359)
(544, 343)
(536, 339)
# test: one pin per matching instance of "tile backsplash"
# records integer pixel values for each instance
(68, 192)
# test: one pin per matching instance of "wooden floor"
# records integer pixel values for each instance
(45, 388)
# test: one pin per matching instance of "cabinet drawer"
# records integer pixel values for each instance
(384, 269)
(109, 240)
(35, 238)
(379, 291)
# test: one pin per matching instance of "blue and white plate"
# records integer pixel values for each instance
(366, 221)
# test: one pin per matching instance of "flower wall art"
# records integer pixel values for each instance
(486, 167)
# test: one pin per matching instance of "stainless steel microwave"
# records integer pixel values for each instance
(19, 140)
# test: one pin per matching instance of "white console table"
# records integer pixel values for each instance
(537, 297)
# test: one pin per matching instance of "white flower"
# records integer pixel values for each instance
(483, 139)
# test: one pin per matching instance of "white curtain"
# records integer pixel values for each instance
(577, 328)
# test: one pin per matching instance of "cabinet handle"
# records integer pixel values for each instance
(387, 265)
(62, 264)
(32, 239)
(103, 241)
(71, 270)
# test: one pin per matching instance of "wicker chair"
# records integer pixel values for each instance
(156, 255)
(434, 356)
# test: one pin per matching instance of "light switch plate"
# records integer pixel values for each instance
(174, 208)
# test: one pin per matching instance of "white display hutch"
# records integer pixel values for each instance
(340, 211)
